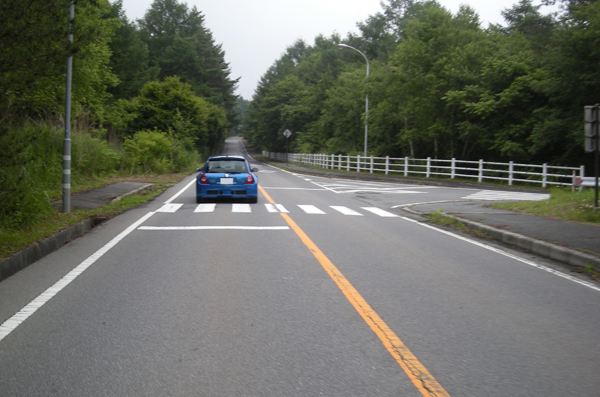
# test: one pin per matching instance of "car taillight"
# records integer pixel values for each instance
(250, 180)
(203, 179)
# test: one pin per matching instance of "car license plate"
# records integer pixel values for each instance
(226, 181)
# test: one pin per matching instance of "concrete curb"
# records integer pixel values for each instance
(542, 248)
(22, 259)
(134, 191)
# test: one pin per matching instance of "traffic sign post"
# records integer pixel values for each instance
(591, 118)
(287, 134)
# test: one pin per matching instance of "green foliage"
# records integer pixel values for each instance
(130, 59)
(173, 106)
(91, 157)
(440, 86)
(115, 94)
(180, 45)
(31, 169)
(34, 51)
(31, 162)
(155, 152)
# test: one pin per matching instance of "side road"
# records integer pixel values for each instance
(572, 243)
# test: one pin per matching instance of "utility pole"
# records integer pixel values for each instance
(592, 137)
(66, 185)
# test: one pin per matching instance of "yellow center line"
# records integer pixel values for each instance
(416, 372)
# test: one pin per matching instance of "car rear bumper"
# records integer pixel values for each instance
(225, 191)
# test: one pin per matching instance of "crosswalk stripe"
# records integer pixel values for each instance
(169, 208)
(380, 212)
(270, 207)
(276, 208)
(206, 207)
(346, 210)
(311, 209)
(281, 208)
(241, 208)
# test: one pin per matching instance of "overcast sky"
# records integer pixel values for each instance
(255, 33)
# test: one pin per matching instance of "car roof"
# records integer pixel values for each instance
(235, 158)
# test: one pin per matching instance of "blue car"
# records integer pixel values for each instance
(226, 177)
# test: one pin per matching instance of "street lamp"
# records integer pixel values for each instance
(367, 100)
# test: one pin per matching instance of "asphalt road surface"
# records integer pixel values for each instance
(324, 287)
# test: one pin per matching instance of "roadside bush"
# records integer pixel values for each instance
(156, 152)
(30, 166)
(31, 169)
(92, 156)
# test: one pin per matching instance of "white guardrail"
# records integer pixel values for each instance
(511, 172)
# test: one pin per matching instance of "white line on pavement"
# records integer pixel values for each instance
(171, 228)
(9, 325)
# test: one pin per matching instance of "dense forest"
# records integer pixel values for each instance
(440, 85)
(127, 75)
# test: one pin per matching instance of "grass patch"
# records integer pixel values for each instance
(563, 204)
(590, 271)
(15, 240)
(439, 218)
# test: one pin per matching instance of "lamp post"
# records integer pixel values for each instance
(367, 100)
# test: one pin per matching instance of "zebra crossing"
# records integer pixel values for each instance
(278, 208)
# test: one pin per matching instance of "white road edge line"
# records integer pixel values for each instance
(12, 323)
(181, 191)
(17, 319)
(507, 254)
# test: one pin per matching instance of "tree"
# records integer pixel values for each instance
(130, 57)
(172, 106)
(34, 52)
(180, 45)
(572, 80)
(438, 55)
(524, 17)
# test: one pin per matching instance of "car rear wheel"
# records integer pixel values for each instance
(253, 200)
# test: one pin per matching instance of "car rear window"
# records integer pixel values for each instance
(227, 165)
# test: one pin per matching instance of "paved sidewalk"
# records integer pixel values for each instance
(573, 243)
(104, 195)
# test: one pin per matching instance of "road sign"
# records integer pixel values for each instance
(287, 133)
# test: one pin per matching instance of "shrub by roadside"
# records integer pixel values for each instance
(31, 166)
